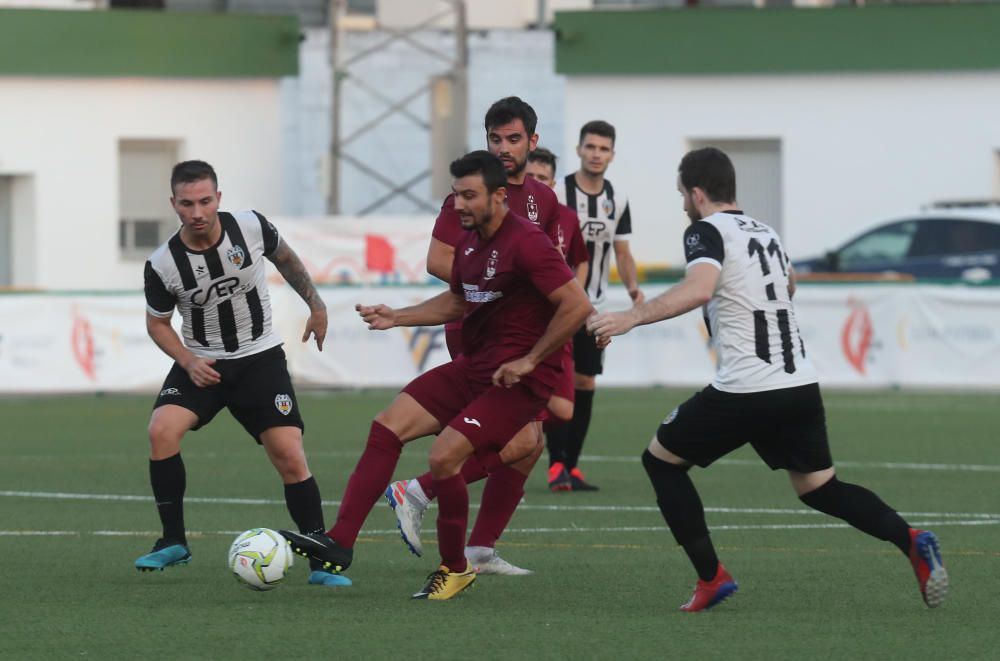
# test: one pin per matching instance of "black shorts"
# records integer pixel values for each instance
(589, 360)
(256, 389)
(787, 427)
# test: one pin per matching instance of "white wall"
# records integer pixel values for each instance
(855, 148)
(64, 134)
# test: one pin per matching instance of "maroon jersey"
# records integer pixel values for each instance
(505, 281)
(531, 199)
(567, 236)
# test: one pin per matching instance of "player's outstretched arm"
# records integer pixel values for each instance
(446, 306)
(163, 334)
(628, 271)
(572, 307)
(695, 290)
(440, 257)
(295, 274)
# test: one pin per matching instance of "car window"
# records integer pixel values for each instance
(954, 237)
(889, 244)
(975, 236)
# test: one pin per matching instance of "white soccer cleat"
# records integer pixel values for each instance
(486, 561)
(409, 515)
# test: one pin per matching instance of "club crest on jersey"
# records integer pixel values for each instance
(609, 207)
(235, 256)
(670, 418)
(532, 209)
(283, 403)
(491, 265)
(694, 244)
(561, 244)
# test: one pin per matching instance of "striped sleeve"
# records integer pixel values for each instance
(269, 234)
(703, 243)
(159, 301)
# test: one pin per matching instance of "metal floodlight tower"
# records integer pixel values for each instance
(448, 107)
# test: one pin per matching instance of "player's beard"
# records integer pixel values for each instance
(518, 166)
(475, 220)
(693, 215)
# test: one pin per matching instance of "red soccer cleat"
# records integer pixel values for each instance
(925, 556)
(709, 593)
(559, 479)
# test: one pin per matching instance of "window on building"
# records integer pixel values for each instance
(145, 217)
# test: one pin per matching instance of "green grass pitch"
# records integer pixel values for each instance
(75, 511)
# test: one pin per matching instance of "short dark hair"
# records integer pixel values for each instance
(509, 108)
(598, 127)
(483, 163)
(543, 155)
(187, 172)
(710, 170)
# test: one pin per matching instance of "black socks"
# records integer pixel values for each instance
(169, 479)
(682, 510)
(862, 509)
(577, 427)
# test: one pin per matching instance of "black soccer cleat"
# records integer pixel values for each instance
(317, 546)
(578, 482)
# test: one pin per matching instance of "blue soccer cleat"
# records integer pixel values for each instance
(925, 556)
(323, 577)
(165, 553)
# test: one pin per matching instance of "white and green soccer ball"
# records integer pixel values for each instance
(259, 558)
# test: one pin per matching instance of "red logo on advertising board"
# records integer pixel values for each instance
(82, 340)
(856, 335)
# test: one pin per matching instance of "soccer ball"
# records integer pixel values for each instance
(259, 558)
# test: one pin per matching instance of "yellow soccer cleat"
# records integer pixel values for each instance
(444, 584)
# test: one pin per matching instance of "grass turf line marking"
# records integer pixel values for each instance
(56, 495)
(889, 465)
(526, 531)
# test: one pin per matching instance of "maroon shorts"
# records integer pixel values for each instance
(566, 388)
(489, 416)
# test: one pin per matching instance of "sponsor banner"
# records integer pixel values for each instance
(866, 336)
(62, 343)
(369, 250)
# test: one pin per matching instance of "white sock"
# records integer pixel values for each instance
(416, 494)
(478, 553)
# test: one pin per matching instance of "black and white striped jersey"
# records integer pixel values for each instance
(221, 293)
(604, 219)
(750, 316)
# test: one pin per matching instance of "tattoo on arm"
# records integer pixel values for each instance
(294, 272)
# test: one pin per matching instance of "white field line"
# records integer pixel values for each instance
(525, 531)
(889, 465)
(634, 459)
(986, 518)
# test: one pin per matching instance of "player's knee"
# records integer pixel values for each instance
(584, 381)
(658, 469)
(443, 463)
(291, 465)
(525, 464)
(561, 410)
(164, 437)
